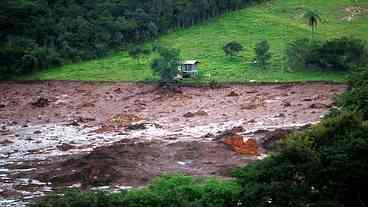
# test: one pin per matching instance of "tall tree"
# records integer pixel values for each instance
(313, 19)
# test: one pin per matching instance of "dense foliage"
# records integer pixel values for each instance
(38, 34)
(170, 190)
(338, 54)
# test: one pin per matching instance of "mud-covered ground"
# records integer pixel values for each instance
(62, 134)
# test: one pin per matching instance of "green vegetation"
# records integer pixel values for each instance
(341, 54)
(169, 190)
(263, 54)
(233, 49)
(166, 65)
(280, 22)
(38, 34)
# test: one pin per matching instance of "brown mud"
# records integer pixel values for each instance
(59, 134)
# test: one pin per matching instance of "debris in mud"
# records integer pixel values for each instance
(319, 106)
(95, 169)
(232, 94)
(37, 132)
(5, 131)
(65, 147)
(41, 102)
(242, 145)
(286, 104)
(6, 142)
(228, 133)
(193, 114)
(117, 122)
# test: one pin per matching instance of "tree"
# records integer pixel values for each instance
(263, 54)
(313, 19)
(137, 51)
(166, 65)
(232, 49)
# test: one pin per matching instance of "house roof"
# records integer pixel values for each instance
(190, 62)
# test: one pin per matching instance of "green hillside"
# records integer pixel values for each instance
(278, 21)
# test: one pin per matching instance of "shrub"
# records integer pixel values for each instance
(356, 98)
(263, 54)
(338, 54)
(342, 54)
(232, 48)
(301, 53)
(168, 190)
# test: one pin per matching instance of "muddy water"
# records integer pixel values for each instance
(141, 130)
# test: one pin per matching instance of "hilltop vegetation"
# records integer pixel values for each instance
(278, 22)
(38, 34)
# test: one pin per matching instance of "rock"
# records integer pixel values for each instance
(37, 132)
(251, 91)
(118, 90)
(65, 147)
(6, 142)
(319, 106)
(5, 132)
(140, 126)
(280, 115)
(41, 102)
(198, 113)
(286, 104)
(248, 106)
(232, 94)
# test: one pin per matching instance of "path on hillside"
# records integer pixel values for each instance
(57, 134)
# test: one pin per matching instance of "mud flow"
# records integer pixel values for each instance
(56, 135)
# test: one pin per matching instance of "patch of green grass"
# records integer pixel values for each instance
(278, 21)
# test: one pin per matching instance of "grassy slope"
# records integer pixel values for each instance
(278, 21)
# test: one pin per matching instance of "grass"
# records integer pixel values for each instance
(278, 21)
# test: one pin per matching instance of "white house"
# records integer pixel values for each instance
(189, 67)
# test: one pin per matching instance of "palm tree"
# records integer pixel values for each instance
(313, 19)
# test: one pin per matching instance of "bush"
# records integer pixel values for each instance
(323, 166)
(342, 54)
(338, 54)
(356, 98)
(232, 48)
(301, 53)
(168, 190)
(263, 54)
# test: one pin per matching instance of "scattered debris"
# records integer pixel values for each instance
(65, 147)
(41, 102)
(193, 114)
(319, 106)
(233, 94)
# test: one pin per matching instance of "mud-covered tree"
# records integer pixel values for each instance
(232, 48)
(263, 55)
(166, 65)
(137, 51)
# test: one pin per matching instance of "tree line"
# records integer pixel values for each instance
(38, 34)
